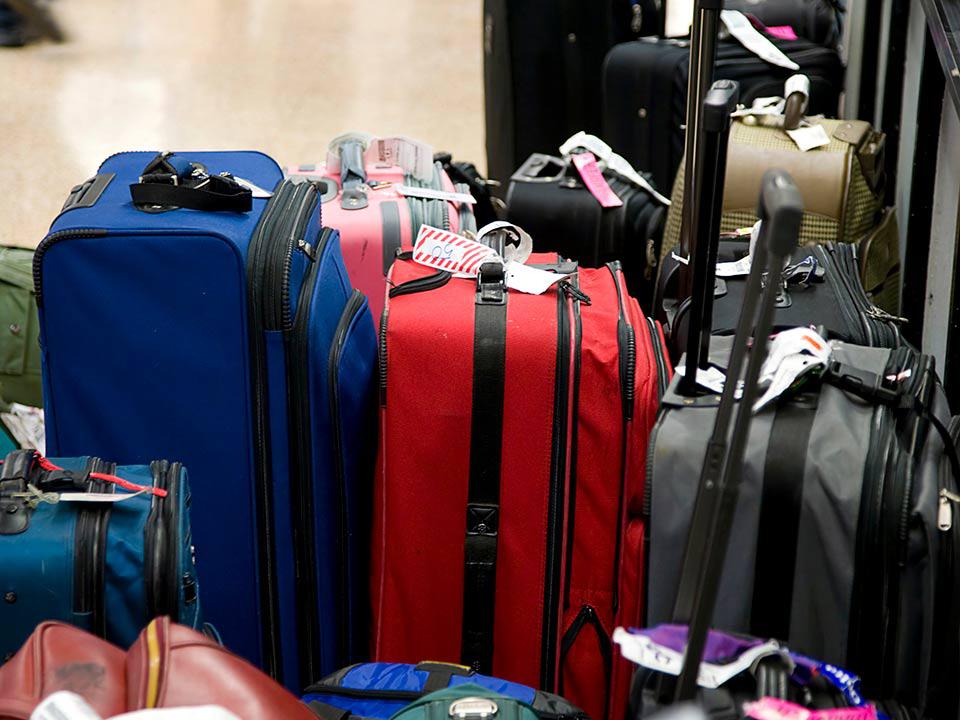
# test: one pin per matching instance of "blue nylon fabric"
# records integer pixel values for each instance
(356, 373)
(283, 529)
(332, 290)
(403, 676)
(49, 543)
(170, 290)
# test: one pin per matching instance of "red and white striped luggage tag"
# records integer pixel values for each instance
(445, 250)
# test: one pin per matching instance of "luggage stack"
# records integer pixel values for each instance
(638, 432)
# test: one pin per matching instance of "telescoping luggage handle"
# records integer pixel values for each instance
(703, 50)
(719, 103)
(780, 210)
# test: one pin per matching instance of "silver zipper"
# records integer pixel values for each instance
(878, 314)
(945, 512)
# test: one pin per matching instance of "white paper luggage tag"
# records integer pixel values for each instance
(809, 137)
(614, 162)
(200, 712)
(64, 705)
(431, 194)
(643, 651)
(445, 250)
(26, 425)
(712, 378)
(793, 353)
(743, 30)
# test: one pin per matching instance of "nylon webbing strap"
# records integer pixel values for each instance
(780, 507)
(483, 498)
(390, 224)
(216, 197)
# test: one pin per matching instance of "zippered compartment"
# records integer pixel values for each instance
(587, 616)
(162, 542)
(340, 338)
(301, 469)
(90, 551)
(269, 259)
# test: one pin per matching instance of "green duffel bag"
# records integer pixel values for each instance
(19, 329)
(467, 702)
(842, 186)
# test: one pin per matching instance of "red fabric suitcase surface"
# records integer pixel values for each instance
(535, 414)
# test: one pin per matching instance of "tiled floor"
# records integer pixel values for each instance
(282, 76)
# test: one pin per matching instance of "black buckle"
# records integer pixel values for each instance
(59, 480)
(483, 519)
(14, 511)
(491, 284)
(864, 384)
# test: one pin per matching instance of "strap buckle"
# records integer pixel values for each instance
(866, 385)
(492, 284)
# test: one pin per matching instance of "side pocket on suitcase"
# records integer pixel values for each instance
(353, 381)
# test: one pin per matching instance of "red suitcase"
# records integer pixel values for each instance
(509, 532)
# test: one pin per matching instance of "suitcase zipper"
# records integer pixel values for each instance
(845, 297)
(588, 616)
(555, 510)
(268, 276)
(352, 309)
(301, 470)
(90, 552)
(162, 543)
(48, 242)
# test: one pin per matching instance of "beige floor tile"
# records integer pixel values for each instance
(282, 76)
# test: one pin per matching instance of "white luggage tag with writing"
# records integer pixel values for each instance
(453, 253)
(793, 353)
(643, 651)
(412, 156)
(614, 162)
(743, 30)
(431, 194)
(809, 136)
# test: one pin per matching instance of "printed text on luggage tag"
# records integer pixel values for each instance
(586, 164)
(463, 257)
(445, 250)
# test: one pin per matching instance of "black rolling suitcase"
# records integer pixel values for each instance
(541, 68)
(547, 197)
(644, 91)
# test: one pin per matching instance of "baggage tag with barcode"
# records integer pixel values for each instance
(743, 30)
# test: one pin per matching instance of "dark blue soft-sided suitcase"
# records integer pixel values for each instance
(234, 342)
(377, 691)
(108, 566)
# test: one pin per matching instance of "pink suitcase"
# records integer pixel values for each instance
(361, 200)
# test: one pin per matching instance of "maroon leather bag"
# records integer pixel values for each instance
(168, 666)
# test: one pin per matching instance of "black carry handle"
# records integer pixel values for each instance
(717, 106)
(780, 209)
(703, 51)
(170, 181)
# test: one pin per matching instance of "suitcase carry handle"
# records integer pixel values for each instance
(720, 101)
(353, 174)
(171, 182)
(781, 209)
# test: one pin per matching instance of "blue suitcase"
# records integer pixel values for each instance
(228, 337)
(377, 691)
(107, 567)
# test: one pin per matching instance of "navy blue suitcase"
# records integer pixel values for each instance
(230, 338)
(108, 567)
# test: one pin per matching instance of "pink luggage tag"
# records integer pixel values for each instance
(784, 32)
(768, 708)
(586, 164)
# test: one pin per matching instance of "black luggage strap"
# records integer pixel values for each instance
(169, 182)
(324, 711)
(780, 507)
(439, 675)
(483, 497)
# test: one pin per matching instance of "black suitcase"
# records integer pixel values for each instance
(645, 88)
(541, 69)
(820, 21)
(547, 198)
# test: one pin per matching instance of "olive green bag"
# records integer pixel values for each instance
(19, 329)
(467, 702)
(842, 187)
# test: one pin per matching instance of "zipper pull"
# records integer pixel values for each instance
(636, 22)
(945, 512)
(574, 292)
(882, 315)
(306, 247)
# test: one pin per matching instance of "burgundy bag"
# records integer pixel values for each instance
(168, 666)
